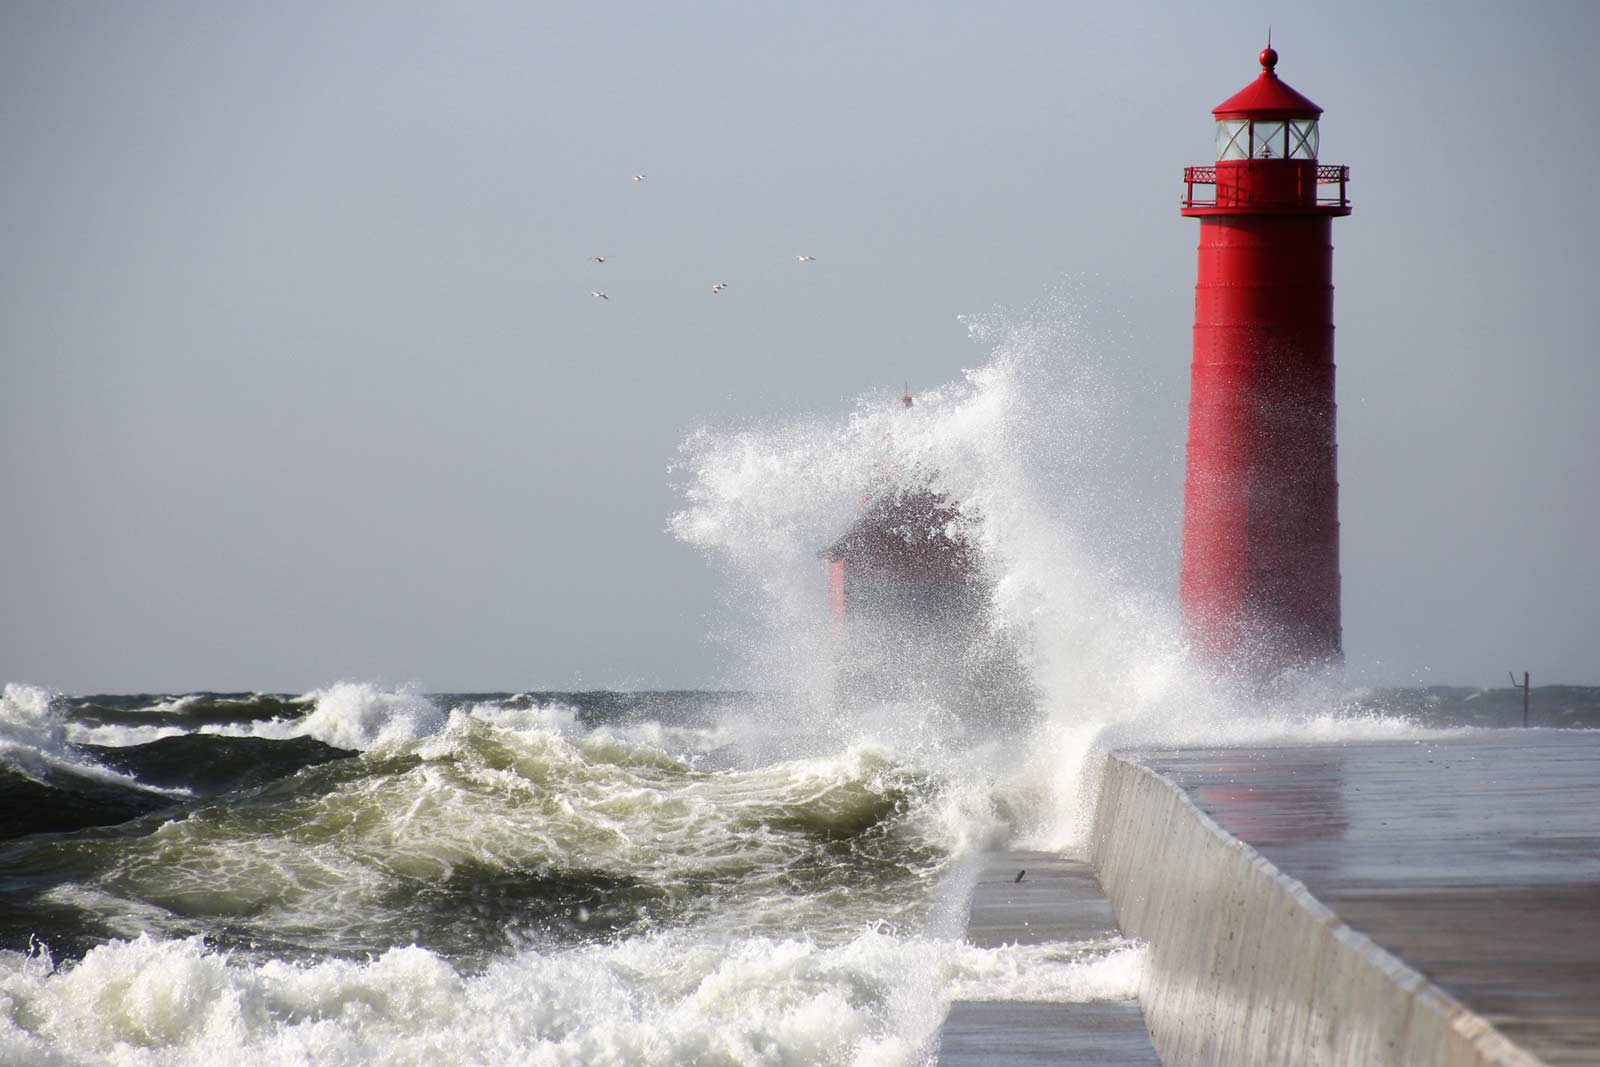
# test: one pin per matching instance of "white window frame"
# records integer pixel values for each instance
(1233, 139)
(1303, 138)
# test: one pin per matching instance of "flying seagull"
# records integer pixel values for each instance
(638, 177)
(717, 288)
(597, 259)
(806, 259)
(600, 296)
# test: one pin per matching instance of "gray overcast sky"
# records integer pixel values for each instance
(300, 379)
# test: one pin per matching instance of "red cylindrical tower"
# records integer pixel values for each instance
(1260, 578)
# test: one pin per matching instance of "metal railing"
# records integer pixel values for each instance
(1325, 174)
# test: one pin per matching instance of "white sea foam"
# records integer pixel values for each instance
(351, 715)
(517, 715)
(35, 739)
(116, 736)
(668, 999)
(179, 703)
(363, 716)
(360, 716)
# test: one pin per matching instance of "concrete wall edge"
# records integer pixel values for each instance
(1246, 965)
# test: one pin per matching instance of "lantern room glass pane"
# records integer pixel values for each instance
(1302, 138)
(1233, 142)
(1267, 140)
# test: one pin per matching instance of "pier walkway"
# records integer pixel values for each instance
(1057, 900)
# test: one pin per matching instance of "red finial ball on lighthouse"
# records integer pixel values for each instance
(1260, 576)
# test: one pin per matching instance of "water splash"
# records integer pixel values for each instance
(33, 732)
(1039, 448)
(362, 716)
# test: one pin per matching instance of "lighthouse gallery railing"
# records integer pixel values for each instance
(1326, 175)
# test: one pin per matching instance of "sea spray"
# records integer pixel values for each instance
(356, 716)
(1014, 445)
(33, 731)
(1075, 535)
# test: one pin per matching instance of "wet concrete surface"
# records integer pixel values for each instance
(1058, 899)
(1007, 1033)
(1475, 859)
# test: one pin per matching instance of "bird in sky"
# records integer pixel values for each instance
(597, 259)
(719, 286)
(1018, 878)
(806, 259)
(599, 296)
(638, 177)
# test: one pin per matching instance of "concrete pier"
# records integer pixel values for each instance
(1407, 903)
(1057, 900)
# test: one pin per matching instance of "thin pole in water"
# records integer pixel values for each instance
(1525, 694)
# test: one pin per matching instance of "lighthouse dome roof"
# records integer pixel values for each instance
(1268, 97)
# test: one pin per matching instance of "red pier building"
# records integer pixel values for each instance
(912, 613)
(1260, 576)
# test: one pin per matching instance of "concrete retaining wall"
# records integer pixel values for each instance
(1246, 967)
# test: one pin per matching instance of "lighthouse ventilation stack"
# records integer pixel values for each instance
(1260, 576)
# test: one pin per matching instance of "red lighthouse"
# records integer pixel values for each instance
(1260, 577)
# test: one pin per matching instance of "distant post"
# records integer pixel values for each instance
(1526, 695)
